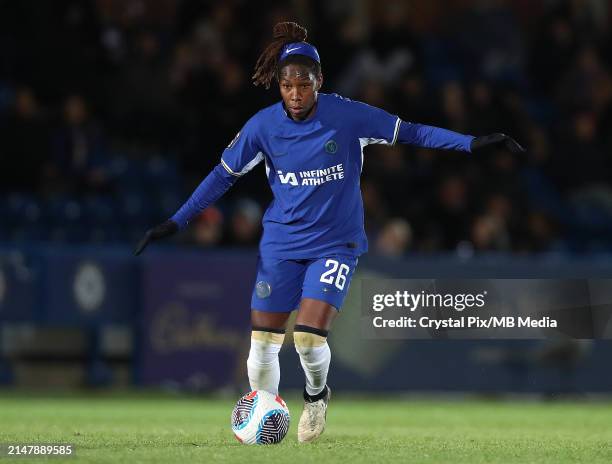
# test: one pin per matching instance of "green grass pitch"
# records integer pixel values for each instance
(145, 428)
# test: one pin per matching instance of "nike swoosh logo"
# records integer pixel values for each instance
(291, 49)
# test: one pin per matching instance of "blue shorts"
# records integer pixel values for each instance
(282, 283)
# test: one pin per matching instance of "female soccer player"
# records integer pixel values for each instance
(312, 146)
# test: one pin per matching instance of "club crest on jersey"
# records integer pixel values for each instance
(233, 142)
(331, 147)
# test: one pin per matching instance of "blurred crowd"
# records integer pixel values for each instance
(112, 111)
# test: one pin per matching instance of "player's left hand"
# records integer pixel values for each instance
(498, 141)
(165, 229)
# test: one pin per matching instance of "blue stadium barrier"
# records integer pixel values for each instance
(189, 313)
(20, 283)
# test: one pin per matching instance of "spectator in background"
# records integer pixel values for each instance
(500, 57)
(553, 46)
(541, 233)
(208, 228)
(449, 218)
(489, 233)
(388, 167)
(143, 106)
(587, 82)
(394, 239)
(485, 111)
(499, 206)
(77, 163)
(24, 143)
(375, 209)
(245, 224)
(585, 156)
(410, 95)
(392, 50)
(582, 157)
(453, 106)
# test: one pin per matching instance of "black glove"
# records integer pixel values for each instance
(497, 141)
(165, 229)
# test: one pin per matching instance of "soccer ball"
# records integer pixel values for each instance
(260, 418)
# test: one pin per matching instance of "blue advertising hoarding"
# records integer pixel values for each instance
(195, 318)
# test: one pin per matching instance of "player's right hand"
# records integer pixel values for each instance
(165, 229)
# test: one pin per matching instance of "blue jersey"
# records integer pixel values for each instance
(313, 168)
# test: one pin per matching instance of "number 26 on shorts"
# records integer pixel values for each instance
(330, 276)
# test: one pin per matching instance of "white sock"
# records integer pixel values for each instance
(315, 357)
(262, 365)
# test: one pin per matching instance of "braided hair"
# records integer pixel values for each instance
(267, 66)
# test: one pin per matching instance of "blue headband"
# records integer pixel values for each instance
(299, 48)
